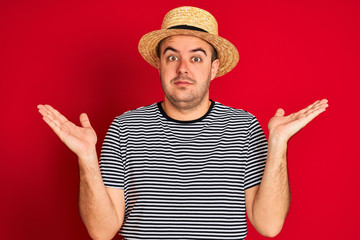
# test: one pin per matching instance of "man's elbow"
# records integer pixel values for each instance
(104, 232)
(272, 230)
(102, 228)
(270, 234)
(102, 236)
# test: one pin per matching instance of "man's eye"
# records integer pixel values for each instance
(172, 58)
(196, 59)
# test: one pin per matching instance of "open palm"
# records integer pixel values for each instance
(284, 127)
(81, 140)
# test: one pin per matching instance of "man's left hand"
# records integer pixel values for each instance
(282, 128)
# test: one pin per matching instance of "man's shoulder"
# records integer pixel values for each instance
(143, 112)
(224, 110)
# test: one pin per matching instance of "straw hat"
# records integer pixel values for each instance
(195, 22)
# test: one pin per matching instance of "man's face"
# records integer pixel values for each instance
(186, 70)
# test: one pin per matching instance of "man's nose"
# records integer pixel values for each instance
(183, 67)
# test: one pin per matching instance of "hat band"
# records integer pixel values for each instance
(188, 28)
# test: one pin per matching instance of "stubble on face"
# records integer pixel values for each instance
(185, 97)
(186, 100)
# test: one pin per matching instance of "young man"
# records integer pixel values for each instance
(187, 167)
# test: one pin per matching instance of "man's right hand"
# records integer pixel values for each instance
(80, 140)
(101, 208)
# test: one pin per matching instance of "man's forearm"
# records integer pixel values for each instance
(269, 204)
(272, 201)
(96, 208)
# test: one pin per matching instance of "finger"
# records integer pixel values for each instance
(280, 112)
(309, 107)
(314, 105)
(318, 106)
(321, 103)
(314, 113)
(45, 111)
(324, 103)
(48, 116)
(56, 114)
(324, 100)
(42, 110)
(53, 125)
(57, 122)
(40, 106)
(309, 113)
(84, 120)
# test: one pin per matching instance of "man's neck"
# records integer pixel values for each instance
(188, 114)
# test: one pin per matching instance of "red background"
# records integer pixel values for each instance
(81, 56)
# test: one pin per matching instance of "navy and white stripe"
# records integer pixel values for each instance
(184, 180)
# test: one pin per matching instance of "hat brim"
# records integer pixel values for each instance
(227, 53)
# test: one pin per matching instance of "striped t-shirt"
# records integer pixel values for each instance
(184, 179)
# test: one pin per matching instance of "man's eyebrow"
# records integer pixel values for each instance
(170, 48)
(194, 50)
(199, 49)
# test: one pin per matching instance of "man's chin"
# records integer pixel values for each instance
(185, 102)
(183, 99)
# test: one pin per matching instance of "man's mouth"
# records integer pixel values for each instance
(182, 83)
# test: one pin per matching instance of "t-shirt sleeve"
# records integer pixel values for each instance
(111, 165)
(256, 154)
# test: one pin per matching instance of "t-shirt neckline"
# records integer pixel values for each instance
(190, 121)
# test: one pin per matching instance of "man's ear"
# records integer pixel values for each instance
(214, 68)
